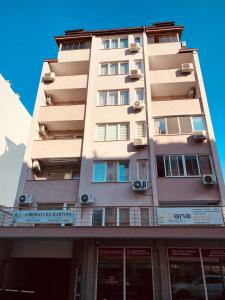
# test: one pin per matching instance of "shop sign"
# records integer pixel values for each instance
(213, 253)
(111, 252)
(44, 216)
(138, 252)
(189, 216)
(183, 252)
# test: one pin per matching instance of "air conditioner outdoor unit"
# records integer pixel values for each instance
(25, 199)
(192, 92)
(187, 68)
(48, 77)
(139, 104)
(49, 100)
(87, 198)
(209, 179)
(140, 142)
(43, 130)
(140, 185)
(135, 74)
(36, 166)
(200, 136)
(135, 47)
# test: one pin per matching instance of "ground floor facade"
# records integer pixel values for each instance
(112, 269)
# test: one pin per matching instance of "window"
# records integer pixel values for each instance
(124, 216)
(139, 65)
(112, 132)
(75, 46)
(184, 165)
(110, 216)
(140, 95)
(144, 214)
(115, 68)
(111, 171)
(179, 124)
(57, 175)
(141, 129)
(114, 43)
(113, 97)
(151, 40)
(97, 217)
(137, 39)
(168, 39)
(142, 169)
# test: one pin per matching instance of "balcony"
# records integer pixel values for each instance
(163, 48)
(74, 55)
(67, 82)
(54, 116)
(54, 149)
(52, 191)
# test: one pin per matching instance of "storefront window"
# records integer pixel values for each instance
(124, 274)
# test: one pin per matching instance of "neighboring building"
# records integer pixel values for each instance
(121, 195)
(14, 128)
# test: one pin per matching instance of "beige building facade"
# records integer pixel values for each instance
(121, 192)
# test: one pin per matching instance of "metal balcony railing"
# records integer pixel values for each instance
(110, 216)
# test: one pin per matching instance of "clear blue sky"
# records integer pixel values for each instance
(27, 28)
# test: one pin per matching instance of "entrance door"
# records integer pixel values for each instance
(124, 274)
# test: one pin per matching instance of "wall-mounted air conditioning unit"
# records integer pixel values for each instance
(187, 68)
(140, 142)
(87, 199)
(140, 185)
(48, 77)
(49, 100)
(139, 104)
(25, 199)
(200, 136)
(43, 132)
(135, 74)
(209, 179)
(135, 47)
(36, 166)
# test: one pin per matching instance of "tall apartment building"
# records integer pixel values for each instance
(121, 194)
(14, 129)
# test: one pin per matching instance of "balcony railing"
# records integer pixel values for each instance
(89, 216)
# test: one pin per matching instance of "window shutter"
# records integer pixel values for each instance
(172, 125)
(185, 124)
(101, 131)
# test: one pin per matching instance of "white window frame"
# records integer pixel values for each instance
(139, 36)
(192, 123)
(114, 38)
(119, 97)
(147, 168)
(142, 64)
(117, 131)
(184, 165)
(108, 68)
(105, 171)
(138, 89)
(145, 129)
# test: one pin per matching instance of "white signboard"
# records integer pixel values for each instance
(189, 216)
(44, 216)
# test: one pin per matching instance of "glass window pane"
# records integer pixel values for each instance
(137, 39)
(103, 98)
(113, 98)
(124, 217)
(141, 130)
(124, 132)
(101, 133)
(138, 274)
(167, 165)
(54, 175)
(124, 98)
(124, 43)
(185, 124)
(172, 125)
(124, 68)
(112, 132)
(151, 40)
(97, 217)
(110, 273)
(142, 170)
(174, 165)
(180, 164)
(110, 216)
(123, 171)
(105, 44)
(160, 166)
(144, 216)
(205, 164)
(114, 43)
(191, 165)
(104, 69)
(198, 123)
(140, 94)
(160, 126)
(111, 173)
(114, 69)
(99, 172)
(139, 65)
